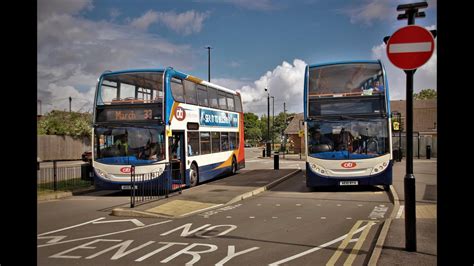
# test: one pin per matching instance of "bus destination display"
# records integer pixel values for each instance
(128, 114)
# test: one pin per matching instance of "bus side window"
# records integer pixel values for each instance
(202, 95)
(177, 90)
(222, 100)
(190, 92)
(238, 103)
(213, 97)
(230, 102)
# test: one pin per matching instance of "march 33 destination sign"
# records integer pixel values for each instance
(217, 118)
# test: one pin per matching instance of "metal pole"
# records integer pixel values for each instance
(284, 137)
(40, 112)
(55, 176)
(208, 63)
(268, 125)
(273, 122)
(400, 138)
(409, 180)
(70, 100)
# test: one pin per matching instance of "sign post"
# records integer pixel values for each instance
(409, 48)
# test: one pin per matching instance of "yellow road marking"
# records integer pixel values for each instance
(358, 245)
(343, 245)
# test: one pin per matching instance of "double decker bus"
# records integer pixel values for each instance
(347, 124)
(165, 121)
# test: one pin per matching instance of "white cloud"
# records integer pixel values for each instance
(370, 11)
(184, 23)
(424, 78)
(49, 7)
(261, 5)
(73, 52)
(114, 13)
(144, 21)
(285, 83)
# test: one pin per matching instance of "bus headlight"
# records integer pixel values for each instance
(101, 173)
(379, 168)
(318, 169)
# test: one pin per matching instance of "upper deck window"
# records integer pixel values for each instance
(133, 87)
(357, 79)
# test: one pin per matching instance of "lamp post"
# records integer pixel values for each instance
(267, 144)
(273, 121)
(70, 100)
(208, 63)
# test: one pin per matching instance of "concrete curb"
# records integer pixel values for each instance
(262, 189)
(374, 257)
(55, 195)
(136, 213)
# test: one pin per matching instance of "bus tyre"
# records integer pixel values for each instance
(386, 187)
(234, 166)
(193, 176)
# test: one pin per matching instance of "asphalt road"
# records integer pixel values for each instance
(287, 225)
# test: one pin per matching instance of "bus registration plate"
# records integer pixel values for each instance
(128, 187)
(349, 183)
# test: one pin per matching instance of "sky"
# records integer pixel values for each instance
(255, 44)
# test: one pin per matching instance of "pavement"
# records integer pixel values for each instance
(209, 195)
(390, 248)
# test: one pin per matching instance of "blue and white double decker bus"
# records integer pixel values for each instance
(165, 121)
(347, 124)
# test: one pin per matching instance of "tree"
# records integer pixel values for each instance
(65, 123)
(252, 130)
(425, 94)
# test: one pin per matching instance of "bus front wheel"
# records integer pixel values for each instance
(193, 175)
(234, 166)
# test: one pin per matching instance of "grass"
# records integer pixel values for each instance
(64, 185)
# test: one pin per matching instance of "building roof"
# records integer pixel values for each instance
(295, 125)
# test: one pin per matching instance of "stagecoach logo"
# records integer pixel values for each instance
(126, 170)
(180, 113)
(348, 164)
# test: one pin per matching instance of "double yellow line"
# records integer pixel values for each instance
(356, 247)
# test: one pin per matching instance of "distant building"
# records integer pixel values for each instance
(424, 115)
(294, 142)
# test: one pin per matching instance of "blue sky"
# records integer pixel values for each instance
(257, 44)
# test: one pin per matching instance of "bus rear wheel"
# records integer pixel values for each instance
(193, 175)
(234, 166)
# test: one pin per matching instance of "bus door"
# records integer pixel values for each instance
(177, 157)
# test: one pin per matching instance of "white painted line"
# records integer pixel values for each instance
(135, 221)
(360, 205)
(317, 248)
(353, 240)
(298, 204)
(252, 217)
(338, 205)
(259, 204)
(66, 228)
(206, 216)
(413, 47)
(400, 211)
(228, 217)
(348, 218)
(381, 205)
(109, 234)
(298, 218)
(215, 206)
(274, 217)
(323, 218)
(277, 204)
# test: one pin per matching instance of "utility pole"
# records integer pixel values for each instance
(208, 63)
(273, 122)
(267, 144)
(284, 137)
(70, 100)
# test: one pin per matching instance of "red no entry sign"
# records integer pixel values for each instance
(410, 47)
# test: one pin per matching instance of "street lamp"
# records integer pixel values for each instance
(208, 63)
(267, 144)
(273, 120)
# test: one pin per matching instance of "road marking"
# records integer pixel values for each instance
(228, 217)
(344, 243)
(277, 204)
(135, 221)
(358, 245)
(298, 204)
(400, 211)
(360, 205)
(298, 217)
(348, 218)
(108, 234)
(252, 217)
(215, 206)
(323, 218)
(378, 212)
(66, 228)
(274, 217)
(259, 204)
(316, 248)
(338, 205)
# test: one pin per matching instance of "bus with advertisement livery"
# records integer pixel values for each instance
(347, 124)
(166, 121)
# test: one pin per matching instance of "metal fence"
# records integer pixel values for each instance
(154, 185)
(424, 146)
(63, 178)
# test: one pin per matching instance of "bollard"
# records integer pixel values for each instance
(276, 161)
(263, 152)
(55, 177)
(428, 152)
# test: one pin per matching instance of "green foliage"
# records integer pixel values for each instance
(65, 123)
(426, 94)
(252, 130)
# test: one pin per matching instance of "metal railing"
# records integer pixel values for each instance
(56, 177)
(152, 186)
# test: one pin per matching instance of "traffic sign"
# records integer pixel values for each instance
(410, 47)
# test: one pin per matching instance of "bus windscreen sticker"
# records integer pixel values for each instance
(218, 119)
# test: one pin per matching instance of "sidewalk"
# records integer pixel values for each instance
(209, 196)
(393, 250)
